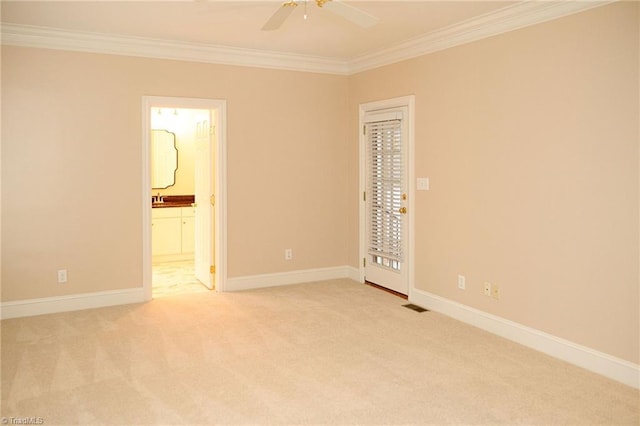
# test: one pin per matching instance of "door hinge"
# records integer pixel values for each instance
(364, 196)
(212, 269)
(364, 262)
(212, 130)
(364, 129)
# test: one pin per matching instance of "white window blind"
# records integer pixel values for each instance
(384, 192)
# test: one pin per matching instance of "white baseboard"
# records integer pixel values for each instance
(354, 273)
(286, 278)
(582, 356)
(74, 302)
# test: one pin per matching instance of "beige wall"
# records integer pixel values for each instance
(530, 140)
(71, 182)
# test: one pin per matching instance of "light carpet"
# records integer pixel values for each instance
(333, 352)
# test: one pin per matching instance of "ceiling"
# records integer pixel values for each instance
(237, 24)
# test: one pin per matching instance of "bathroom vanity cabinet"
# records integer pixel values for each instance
(172, 232)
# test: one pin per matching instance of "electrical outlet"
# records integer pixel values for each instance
(288, 254)
(461, 282)
(487, 289)
(62, 276)
(495, 291)
(422, 184)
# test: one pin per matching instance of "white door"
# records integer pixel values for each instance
(203, 256)
(386, 199)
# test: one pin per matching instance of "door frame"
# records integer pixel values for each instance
(407, 102)
(219, 142)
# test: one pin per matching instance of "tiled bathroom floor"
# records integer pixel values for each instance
(171, 278)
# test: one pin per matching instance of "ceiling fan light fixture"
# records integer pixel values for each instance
(345, 11)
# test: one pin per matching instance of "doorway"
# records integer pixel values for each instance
(386, 183)
(194, 251)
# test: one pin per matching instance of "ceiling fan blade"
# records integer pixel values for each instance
(278, 18)
(350, 13)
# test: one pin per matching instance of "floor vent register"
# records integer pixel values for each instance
(415, 308)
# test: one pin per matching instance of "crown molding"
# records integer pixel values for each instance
(503, 20)
(54, 38)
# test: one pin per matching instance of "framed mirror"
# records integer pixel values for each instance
(164, 159)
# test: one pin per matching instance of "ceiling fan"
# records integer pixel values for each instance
(350, 13)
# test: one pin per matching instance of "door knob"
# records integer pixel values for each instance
(403, 210)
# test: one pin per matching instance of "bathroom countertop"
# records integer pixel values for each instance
(175, 201)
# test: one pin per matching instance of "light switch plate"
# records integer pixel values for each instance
(422, 184)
